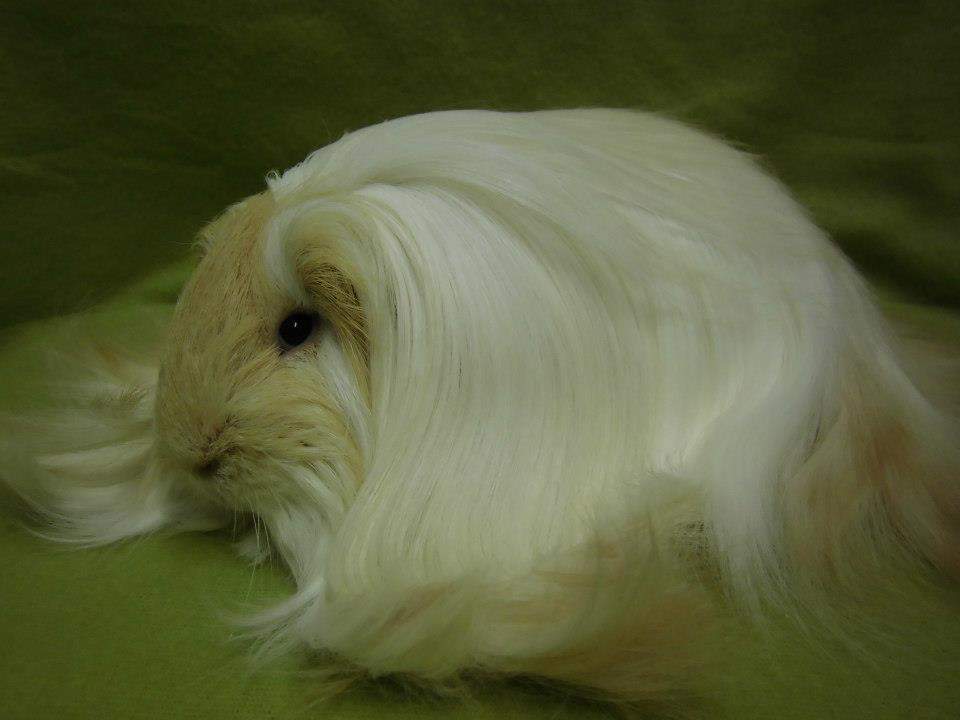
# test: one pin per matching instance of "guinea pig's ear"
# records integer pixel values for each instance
(86, 468)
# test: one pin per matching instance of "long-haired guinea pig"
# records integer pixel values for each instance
(519, 394)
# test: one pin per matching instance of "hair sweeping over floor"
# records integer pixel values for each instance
(571, 368)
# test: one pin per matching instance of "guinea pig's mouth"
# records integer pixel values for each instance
(237, 482)
(222, 479)
(209, 469)
(223, 482)
(230, 479)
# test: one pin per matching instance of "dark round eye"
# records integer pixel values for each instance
(296, 328)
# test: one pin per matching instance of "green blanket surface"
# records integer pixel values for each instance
(124, 127)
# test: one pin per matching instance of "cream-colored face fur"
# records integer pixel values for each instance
(241, 419)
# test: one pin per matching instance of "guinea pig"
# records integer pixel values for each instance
(518, 394)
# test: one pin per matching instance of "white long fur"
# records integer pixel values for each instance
(592, 334)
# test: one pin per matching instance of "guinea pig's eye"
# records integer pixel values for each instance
(296, 329)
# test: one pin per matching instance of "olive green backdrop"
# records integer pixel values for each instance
(125, 126)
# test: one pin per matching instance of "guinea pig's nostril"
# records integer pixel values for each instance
(208, 468)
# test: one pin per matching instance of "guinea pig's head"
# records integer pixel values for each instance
(262, 389)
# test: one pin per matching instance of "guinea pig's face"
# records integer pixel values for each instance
(251, 404)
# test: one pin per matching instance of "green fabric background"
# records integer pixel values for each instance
(125, 126)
